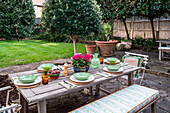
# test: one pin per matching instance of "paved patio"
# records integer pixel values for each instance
(157, 78)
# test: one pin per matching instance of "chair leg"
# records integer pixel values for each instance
(153, 108)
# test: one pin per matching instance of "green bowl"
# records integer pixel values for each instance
(113, 67)
(111, 59)
(46, 65)
(54, 75)
(81, 76)
(27, 78)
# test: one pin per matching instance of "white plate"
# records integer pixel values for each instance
(90, 78)
(117, 61)
(54, 67)
(120, 70)
(17, 82)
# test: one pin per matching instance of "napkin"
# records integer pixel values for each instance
(124, 64)
(68, 86)
(102, 74)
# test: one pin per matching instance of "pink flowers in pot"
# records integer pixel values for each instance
(78, 60)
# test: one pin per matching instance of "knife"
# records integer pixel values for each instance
(68, 83)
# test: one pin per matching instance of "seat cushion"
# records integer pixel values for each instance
(134, 61)
(128, 100)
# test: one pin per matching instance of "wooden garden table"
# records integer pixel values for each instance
(42, 92)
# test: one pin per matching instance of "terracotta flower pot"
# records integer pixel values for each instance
(106, 48)
(91, 49)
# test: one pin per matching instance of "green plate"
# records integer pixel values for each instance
(111, 59)
(81, 75)
(46, 65)
(27, 78)
(113, 67)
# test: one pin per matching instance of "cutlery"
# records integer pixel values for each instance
(68, 83)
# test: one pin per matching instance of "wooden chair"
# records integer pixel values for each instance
(13, 108)
(142, 61)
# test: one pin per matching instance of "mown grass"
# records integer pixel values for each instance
(30, 51)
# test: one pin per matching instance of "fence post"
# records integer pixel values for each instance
(157, 30)
(133, 18)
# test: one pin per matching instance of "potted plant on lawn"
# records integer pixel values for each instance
(90, 49)
(106, 48)
(81, 63)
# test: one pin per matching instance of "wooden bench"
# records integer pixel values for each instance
(132, 99)
(161, 50)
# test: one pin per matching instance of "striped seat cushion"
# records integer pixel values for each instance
(128, 100)
(134, 61)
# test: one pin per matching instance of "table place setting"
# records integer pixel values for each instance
(52, 67)
(111, 61)
(27, 81)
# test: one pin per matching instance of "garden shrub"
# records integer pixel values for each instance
(72, 17)
(145, 43)
(50, 37)
(16, 18)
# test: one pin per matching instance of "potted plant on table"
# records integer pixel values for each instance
(81, 63)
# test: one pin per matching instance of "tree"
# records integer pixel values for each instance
(116, 9)
(151, 9)
(72, 17)
(16, 18)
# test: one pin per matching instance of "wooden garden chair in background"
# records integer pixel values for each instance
(137, 60)
(13, 108)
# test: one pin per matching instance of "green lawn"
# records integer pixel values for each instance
(29, 51)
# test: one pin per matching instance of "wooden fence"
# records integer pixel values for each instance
(142, 28)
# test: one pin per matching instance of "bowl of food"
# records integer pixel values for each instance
(54, 74)
(113, 67)
(27, 78)
(81, 76)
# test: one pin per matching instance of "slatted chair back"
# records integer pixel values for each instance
(138, 60)
(13, 108)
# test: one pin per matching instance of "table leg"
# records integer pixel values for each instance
(97, 91)
(130, 79)
(23, 103)
(42, 106)
(91, 90)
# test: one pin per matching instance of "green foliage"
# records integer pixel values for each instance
(36, 30)
(72, 17)
(116, 9)
(16, 18)
(151, 9)
(50, 37)
(106, 8)
(107, 31)
(145, 43)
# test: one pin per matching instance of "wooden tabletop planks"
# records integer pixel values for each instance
(53, 89)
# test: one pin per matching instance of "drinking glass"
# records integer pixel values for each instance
(101, 60)
(45, 75)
